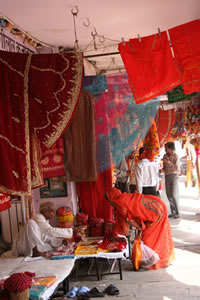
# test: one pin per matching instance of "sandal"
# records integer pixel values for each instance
(111, 290)
(93, 293)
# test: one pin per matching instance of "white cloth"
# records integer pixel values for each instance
(121, 171)
(48, 230)
(30, 237)
(147, 174)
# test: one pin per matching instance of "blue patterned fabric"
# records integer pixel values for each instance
(95, 84)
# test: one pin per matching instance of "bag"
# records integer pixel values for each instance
(149, 256)
(136, 253)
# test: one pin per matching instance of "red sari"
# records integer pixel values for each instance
(150, 213)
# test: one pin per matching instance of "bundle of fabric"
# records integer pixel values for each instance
(65, 217)
(113, 242)
(81, 218)
(96, 226)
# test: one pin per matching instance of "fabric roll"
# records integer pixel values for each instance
(151, 68)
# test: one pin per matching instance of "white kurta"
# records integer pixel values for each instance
(30, 237)
(48, 230)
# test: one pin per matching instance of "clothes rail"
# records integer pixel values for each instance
(102, 54)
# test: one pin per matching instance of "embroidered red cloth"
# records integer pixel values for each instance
(43, 107)
(52, 160)
(150, 66)
(164, 121)
(4, 202)
(186, 46)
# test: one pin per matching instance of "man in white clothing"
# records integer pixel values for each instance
(147, 176)
(38, 236)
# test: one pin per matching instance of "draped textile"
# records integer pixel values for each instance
(151, 213)
(95, 84)
(120, 123)
(164, 121)
(38, 94)
(4, 202)
(52, 160)
(186, 46)
(151, 69)
(92, 196)
(151, 143)
(79, 141)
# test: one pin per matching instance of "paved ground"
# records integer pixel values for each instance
(179, 281)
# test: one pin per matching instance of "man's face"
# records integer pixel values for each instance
(50, 213)
(168, 150)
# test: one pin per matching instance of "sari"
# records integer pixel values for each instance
(150, 213)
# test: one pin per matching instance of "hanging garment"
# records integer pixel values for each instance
(151, 69)
(92, 196)
(79, 141)
(52, 160)
(150, 213)
(38, 94)
(164, 121)
(4, 202)
(151, 143)
(120, 123)
(186, 46)
(94, 84)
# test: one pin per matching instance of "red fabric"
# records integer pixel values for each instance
(52, 160)
(151, 69)
(186, 46)
(4, 202)
(151, 213)
(164, 121)
(38, 94)
(92, 196)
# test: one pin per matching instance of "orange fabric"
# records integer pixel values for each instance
(151, 144)
(151, 69)
(164, 121)
(136, 253)
(151, 213)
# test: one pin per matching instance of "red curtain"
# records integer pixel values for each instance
(92, 196)
(186, 46)
(150, 66)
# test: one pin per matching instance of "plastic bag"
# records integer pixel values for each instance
(136, 253)
(149, 256)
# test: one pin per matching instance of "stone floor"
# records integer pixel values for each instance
(179, 281)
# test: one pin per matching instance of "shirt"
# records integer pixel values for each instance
(121, 171)
(146, 174)
(47, 229)
(171, 164)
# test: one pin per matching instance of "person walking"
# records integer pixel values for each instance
(171, 166)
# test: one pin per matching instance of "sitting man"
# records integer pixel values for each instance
(38, 236)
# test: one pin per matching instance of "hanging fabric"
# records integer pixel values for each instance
(52, 160)
(177, 94)
(92, 196)
(186, 46)
(39, 94)
(151, 143)
(151, 69)
(95, 84)
(79, 141)
(164, 121)
(4, 202)
(120, 123)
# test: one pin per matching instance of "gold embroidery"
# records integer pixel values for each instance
(38, 100)
(37, 180)
(15, 174)
(16, 120)
(18, 72)
(9, 142)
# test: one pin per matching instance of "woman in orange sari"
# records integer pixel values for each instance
(147, 213)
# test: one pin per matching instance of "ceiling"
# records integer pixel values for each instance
(51, 22)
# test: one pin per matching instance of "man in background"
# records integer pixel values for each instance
(122, 174)
(171, 166)
(147, 175)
